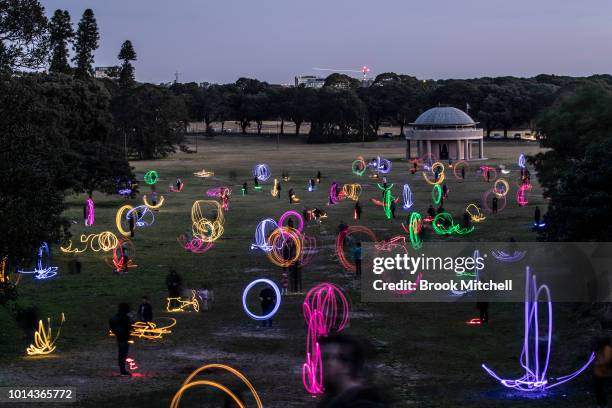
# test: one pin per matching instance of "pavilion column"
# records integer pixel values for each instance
(481, 149)
(467, 149)
(458, 149)
(408, 155)
(429, 148)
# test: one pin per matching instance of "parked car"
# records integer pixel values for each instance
(388, 135)
(228, 130)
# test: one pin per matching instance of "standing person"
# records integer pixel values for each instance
(206, 296)
(483, 308)
(284, 281)
(537, 216)
(267, 298)
(431, 212)
(121, 325)
(344, 379)
(179, 183)
(414, 167)
(463, 173)
(297, 276)
(154, 198)
(86, 211)
(174, 284)
(357, 256)
(279, 188)
(78, 266)
(255, 183)
(245, 190)
(393, 208)
(145, 310)
(467, 220)
(494, 205)
(602, 370)
(358, 211)
(488, 175)
(290, 194)
(311, 185)
(444, 191)
(125, 257)
(132, 222)
(319, 177)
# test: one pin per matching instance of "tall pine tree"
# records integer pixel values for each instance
(61, 33)
(86, 43)
(127, 54)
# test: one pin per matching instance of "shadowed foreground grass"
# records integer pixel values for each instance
(425, 355)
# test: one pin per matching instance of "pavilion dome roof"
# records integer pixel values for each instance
(444, 116)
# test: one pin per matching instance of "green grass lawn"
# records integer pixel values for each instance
(425, 354)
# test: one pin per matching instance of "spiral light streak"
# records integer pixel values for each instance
(42, 270)
(104, 241)
(534, 361)
(325, 308)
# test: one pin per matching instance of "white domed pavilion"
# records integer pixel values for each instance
(444, 133)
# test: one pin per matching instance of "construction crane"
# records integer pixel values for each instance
(364, 71)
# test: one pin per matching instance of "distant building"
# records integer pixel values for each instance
(367, 82)
(444, 133)
(104, 72)
(309, 81)
(523, 134)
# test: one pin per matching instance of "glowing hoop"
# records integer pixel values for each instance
(143, 216)
(187, 384)
(380, 165)
(262, 172)
(489, 169)
(119, 219)
(151, 206)
(278, 240)
(321, 314)
(485, 201)
(359, 166)
(151, 177)
(203, 228)
(292, 213)
(276, 305)
(436, 194)
(501, 192)
(457, 166)
(441, 174)
(118, 261)
(353, 229)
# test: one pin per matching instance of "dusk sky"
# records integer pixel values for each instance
(273, 40)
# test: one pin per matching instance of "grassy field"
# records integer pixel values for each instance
(426, 356)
